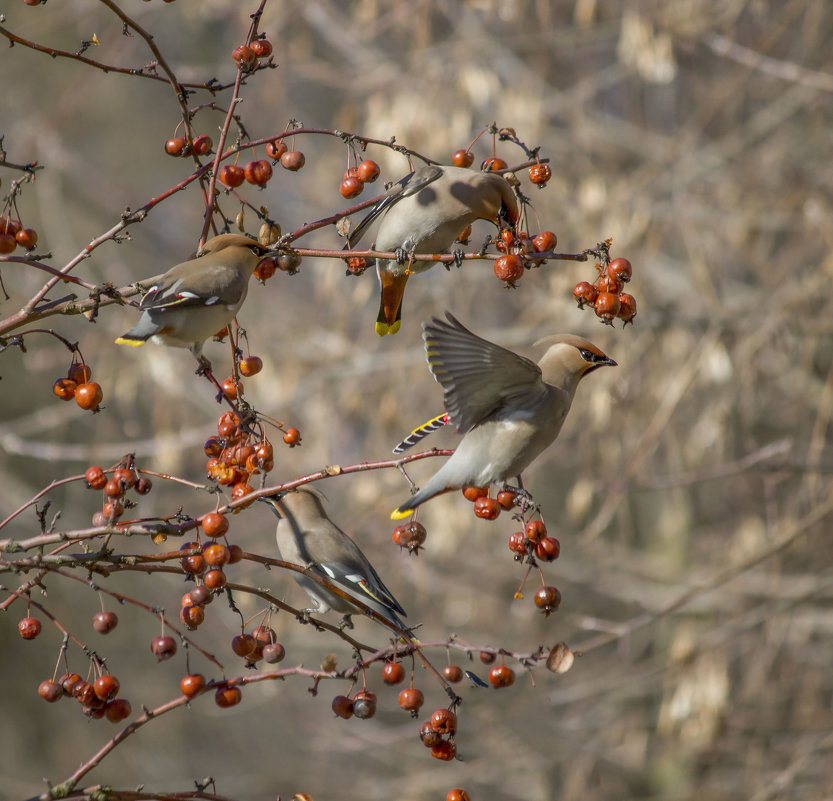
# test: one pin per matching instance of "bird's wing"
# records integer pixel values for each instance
(477, 376)
(408, 185)
(363, 583)
(214, 284)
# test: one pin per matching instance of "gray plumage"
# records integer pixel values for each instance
(424, 213)
(507, 408)
(306, 536)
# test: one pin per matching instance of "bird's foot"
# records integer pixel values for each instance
(457, 253)
(203, 367)
(345, 623)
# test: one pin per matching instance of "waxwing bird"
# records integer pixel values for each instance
(424, 213)
(507, 408)
(307, 537)
(195, 299)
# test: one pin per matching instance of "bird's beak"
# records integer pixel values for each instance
(273, 501)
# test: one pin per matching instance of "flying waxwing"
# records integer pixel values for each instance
(195, 299)
(508, 408)
(307, 537)
(424, 213)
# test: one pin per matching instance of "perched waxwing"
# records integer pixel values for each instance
(508, 408)
(195, 299)
(307, 537)
(424, 213)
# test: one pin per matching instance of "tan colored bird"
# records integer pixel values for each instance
(508, 408)
(195, 299)
(424, 213)
(306, 536)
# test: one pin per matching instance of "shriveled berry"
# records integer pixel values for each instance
(492, 164)
(262, 48)
(203, 144)
(144, 485)
(607, 307)
(68, 682)
(539, 174)
(64, 388)
(517, 542)
(429, 737)
(444, 721)
(620, 269)
(585, 294)
(95, 477)
(487, 508)
(544, 242)
(509, 268)
(535, 530)
(244, 56)
(364, 704)
(50, 691)
(627, 308)
(29, 628)
(275, 149)
(548, 549)
(118, 710)
(410, 535)
(444, 750)
(473, 493)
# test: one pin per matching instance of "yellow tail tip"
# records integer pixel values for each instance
(398, 514)
(383, 328)
(134, 343)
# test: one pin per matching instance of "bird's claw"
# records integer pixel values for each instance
(345, 623)
(457, 253)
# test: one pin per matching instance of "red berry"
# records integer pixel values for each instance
(251, 365)
(545, 241)
(112, 489)
(68, 682)
(548, 549)
(393, 672)
(364, 704)
(50, 691)
(410, 535)
(29, 628)
(273, 653)
(540, 174)
(231, 175)
(487, 657)
(192, 684)
(343, 706)
(535, 530)
(143, 485)
(585, 294)
(244, 56)
(493, 164)
(411, 699)
(27, 238)
(79, 373)
(214, 524)
(64, 389)
(7, 243)
(235, 554)
(106, 687)
(368, 171)
(275, 149)
(506, 499)
(606, 306)
(243, 644)
(203, 144)
(178, 146)
(95, 477)
(444, 750)
(227, 696)
(429, 737)
(193, 563)
(266, 269)
(118, 710)
(501, 676)
(473, 493)
(163, 647)
(105, 622)
(356, 265)
(293, 160)
(200, 595)
(463, 158)
(444, 721)
(216, 555)
(547, 599)
(509, 268)
(351, 187)
(292, 437)
(620, 269)
(517, 542)
(453, 673)
(457, 794)
(487, 508)
(262, 48)
(89, 396)
(627, 308)
(258, 172)
(214, 579)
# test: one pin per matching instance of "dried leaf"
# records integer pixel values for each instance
(561, 658)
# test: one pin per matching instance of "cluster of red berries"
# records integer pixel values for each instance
(510, 268)
(355, 178)
(533, 544)
(410, 535)
(259, 171)
(285, 261)
(235, 455)
(123, 478)
(438, 733)
(362, 705)
(77, 384)
(12, 234)
(500, 675)
(181, 147)
(606, 294)
(98, 700)
(487, 507)
(247, 366)
(262, 643)
(247, 56)
(356, 265)
(226, 694)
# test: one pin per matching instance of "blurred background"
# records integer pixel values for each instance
(689, 489)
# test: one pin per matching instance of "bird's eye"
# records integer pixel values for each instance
(587, 355)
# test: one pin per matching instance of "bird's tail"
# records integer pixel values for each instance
(133, 341)
(425, 494)
(420, 432)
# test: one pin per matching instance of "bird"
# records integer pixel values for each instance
(197, 298)
(307, 537)
(507, 408)
(425, 212)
